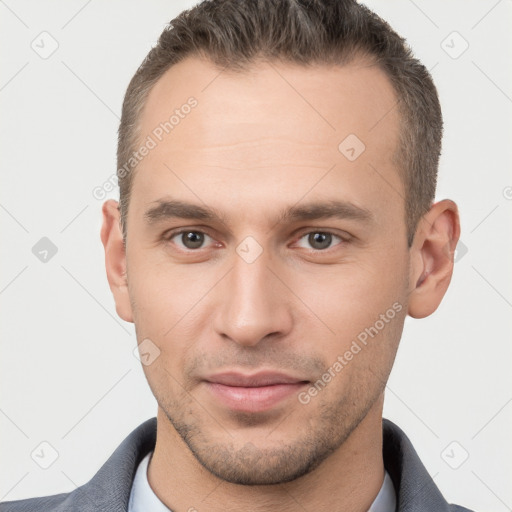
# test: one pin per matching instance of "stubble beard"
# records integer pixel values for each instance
(315, 438)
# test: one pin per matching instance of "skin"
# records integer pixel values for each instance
(257, 143)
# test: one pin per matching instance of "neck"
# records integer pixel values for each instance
(349, 479)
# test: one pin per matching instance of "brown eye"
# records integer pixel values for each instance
(189, 239)
(319, 240)
(192, 239)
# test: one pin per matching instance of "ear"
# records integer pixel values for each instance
(432, 258)
(115, 258)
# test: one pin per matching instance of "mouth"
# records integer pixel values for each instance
(252, 393)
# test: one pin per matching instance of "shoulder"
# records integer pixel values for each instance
(56, 502)
(415, 489)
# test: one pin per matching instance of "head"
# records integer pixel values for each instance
(280, 222)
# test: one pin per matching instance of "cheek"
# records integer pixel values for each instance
(366, 323)
(168, 304)
(352, 298)
(163, 294)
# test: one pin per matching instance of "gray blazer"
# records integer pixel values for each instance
(109, 490)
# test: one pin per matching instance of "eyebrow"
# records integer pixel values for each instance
(165, 209)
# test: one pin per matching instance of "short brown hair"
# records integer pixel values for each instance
(233, 34)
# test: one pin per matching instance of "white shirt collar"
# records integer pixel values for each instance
(143, 498)
(386, 499)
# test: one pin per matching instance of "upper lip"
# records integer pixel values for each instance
(253, 381)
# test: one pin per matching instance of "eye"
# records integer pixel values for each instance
(318, 240)
(189, 239)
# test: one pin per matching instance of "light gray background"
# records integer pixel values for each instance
(68, 373)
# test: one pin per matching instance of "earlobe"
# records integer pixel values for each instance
(115, 259)
(432, 258)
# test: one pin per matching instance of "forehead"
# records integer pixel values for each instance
(268, 129)
(316, 103)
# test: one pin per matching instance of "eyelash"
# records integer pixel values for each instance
(170, 235)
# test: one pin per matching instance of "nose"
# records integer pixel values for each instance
(254, 305)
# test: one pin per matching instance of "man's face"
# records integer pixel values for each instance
(251, 308)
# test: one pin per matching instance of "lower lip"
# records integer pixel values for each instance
(256, 399)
